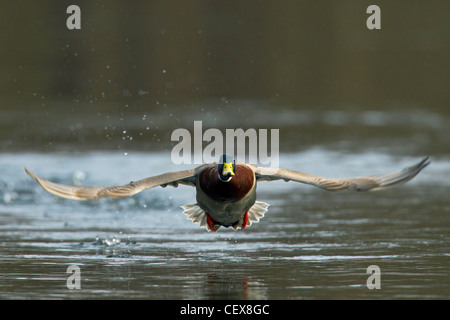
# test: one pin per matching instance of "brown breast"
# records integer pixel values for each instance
(234, 190)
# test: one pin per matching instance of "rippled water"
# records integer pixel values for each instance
(312, 244)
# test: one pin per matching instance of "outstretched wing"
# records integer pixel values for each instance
(369, 183)
(187, 177)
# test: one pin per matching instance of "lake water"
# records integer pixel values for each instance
(312, 244)
(97, 106)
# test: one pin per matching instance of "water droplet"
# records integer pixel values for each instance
(9, 197)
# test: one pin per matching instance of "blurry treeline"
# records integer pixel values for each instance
(293, 52)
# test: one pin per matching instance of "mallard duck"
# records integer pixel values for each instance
(226, 191)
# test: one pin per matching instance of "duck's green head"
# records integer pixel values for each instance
(226, 167)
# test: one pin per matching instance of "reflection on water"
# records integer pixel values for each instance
(312, 244)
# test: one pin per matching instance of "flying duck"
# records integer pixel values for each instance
(226, 191)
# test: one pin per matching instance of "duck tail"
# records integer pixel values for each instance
(197, 215)
(255, 213)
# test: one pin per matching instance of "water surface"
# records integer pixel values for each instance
(312, 244)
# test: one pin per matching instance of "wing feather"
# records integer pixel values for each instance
(186, 177)
(369, 183)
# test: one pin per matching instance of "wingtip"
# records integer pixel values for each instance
(39, 180)
(29, 172)
(425, 162)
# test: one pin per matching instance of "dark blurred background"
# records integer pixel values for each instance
(138, 70)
